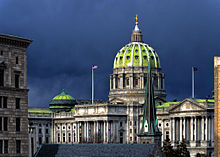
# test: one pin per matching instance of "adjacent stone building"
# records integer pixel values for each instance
(13, 96)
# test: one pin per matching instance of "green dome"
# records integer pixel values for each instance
(62, 101)
(136, 54)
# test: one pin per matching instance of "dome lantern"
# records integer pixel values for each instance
(136, 34)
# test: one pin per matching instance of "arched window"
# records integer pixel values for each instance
(64, 137)
(58, 137)
(69, 136)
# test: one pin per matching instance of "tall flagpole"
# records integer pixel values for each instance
(193, 82)
(92, 85)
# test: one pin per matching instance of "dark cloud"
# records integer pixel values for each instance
(71, 36)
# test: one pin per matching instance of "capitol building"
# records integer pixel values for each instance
(119, 120)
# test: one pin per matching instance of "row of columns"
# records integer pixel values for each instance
(119, 82)
(191, 129)
(97, 131)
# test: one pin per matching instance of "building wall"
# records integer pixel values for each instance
(120, 123)
(217, 104)
(13, 96)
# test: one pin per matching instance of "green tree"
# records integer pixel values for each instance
(181, 150)
(168, 148)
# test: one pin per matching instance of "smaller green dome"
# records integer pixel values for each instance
(62, 102)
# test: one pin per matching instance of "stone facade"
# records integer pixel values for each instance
(120, 123)
(13, 96)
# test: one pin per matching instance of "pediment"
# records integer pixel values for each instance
(117, 101)
(187, 105)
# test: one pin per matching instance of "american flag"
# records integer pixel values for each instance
(94, 67)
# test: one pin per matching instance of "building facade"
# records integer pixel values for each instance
(13, 96)
(119, 120)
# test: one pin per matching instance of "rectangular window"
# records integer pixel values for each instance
(16, 81)
(123, 80)
(17, 60)
(5, 123)
(5, 146)
(120, 123)
(40, 131)
(18, 146)
(127, 81)
(5, 102)
(0, 123)
(17, 103)
(1, 77)
(47, 131)
(130, 130)
(40, 140)
(0, 101)
(47, 139)
(18, 124)
(1, 146)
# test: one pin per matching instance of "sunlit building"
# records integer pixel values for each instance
(119, 120)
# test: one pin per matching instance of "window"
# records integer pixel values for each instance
(5, 102)
(0, 123)
(130, 122)
(130, 138)
(1, 77)
(0, 101)
(167, 134)
(5, 123)
(167, 124)
(39, 125)
(40, 131)
(46, 125)
(16, 80)
(17, 60)
(127, 81)
(120, 123)
(136, 57)
(136, 50)
(69, 137)
(143, 50)
(159, 124)
(1, 146)
(18, 146)
(5, 146)
(121, 133)
(17, 103)
(40, 140)
(128, 57)
(58, 137)
(47, 131)
(135, 123)
(145, 57)
(135, 130)
(18, 124)
(1, 53)
(47, 139)
(130, 130)
(64, 139)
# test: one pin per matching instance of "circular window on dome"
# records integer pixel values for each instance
(136, 57)
(123, 50)
(149, 50)
(121, 58)
(143, 50)
(129, 51)
(128, 57)
(136, 50)
(157, 58)
(116, 58)
(145, 57)
(152, 57)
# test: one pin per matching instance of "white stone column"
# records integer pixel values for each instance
(107, 138)
(184, 127)
(213, 129)
(170, 130)
(61, 136)
(142, 81)
(104, 131)
(206, 128)
(43, 133)
(191, 127)
(195, 129)
(87, 131)
(181, 129)
(174, 130)
(202, 129)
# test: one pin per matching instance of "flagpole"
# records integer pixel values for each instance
(92, 86)
(193, 82)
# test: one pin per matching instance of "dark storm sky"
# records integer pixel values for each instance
(69, 36)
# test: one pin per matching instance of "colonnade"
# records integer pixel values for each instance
(102, 131)
(131, 81)
(195, 129)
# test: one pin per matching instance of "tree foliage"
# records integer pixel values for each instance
(180, 151)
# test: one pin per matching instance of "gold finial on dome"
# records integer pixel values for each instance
(136, 19)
